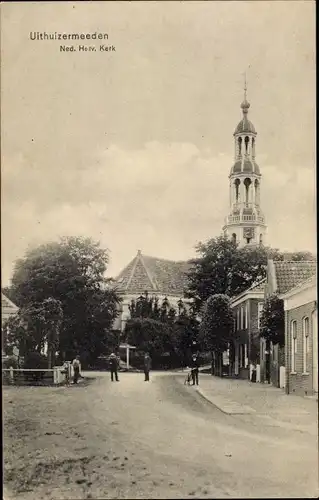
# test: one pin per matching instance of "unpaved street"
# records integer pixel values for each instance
(145, 440)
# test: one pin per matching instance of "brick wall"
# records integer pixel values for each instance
(299, 382)
(254, 344)
(277, 359)
(249, 335)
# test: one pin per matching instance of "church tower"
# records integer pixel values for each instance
(245, 223)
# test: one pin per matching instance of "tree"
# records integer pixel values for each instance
(161, 329)
(70, 271)
(216, 327)
(34, 326)
(299, 256)
(148, 335)
(15, 335)
(53, 317)
(224, 268)
(185, 332)
(26, 329)
(273, 321)
(145, 307)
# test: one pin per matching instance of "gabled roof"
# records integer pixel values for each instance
(303, 285)
(256, 288)
(8, 308)
(151, 274)
(289, 274)
(7, 304)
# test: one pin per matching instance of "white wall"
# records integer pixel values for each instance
(300, 298)
(119, 323)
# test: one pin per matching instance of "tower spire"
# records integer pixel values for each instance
(245, 223)
(245, 87)
(245, 104)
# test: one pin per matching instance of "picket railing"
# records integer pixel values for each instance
(33, 376)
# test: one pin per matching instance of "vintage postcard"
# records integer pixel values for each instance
(159, 262)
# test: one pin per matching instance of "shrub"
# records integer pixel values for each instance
(10, 361)
(35, 360)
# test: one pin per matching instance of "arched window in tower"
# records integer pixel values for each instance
(247, 183)
(246, 143)
(233, 237)
(256, 192)
(253, 147)
(239, 145)
(237, 184)
(261, 239)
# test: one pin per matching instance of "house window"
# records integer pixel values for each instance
(305, 337)
(293, 333)
(242, 317)
(260, 310)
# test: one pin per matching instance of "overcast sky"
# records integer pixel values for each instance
(134, 147)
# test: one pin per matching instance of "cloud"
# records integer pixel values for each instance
(161, 198)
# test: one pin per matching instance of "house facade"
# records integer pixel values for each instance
(160, 278)
(301, 338)
(247, 309)
(282, 276)
(8, 309)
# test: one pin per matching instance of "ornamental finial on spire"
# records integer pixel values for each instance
(245, 104)
(245, 87)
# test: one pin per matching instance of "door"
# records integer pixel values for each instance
(315, 350)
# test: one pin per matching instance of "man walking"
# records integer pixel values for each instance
(147, 367)
(76, 369)
(195, 370)
(113, 361)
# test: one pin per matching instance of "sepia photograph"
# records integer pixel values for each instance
(159, 318)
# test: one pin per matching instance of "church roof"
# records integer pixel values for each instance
(290, 273)
(152, 274)
(245, 125)
(245, 166)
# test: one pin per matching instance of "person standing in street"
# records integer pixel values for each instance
(113, 361)
(195, 370)
(76, 369)
(147, 367)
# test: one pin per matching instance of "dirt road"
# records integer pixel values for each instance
(145, 440)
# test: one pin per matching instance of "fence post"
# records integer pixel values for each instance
(11, 373)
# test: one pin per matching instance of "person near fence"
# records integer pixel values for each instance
(195, 370)
(113, 362)
(147, 367)
(66, 372)
(76, 369)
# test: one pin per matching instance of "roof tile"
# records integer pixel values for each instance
(291, 273)
(145, 273)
